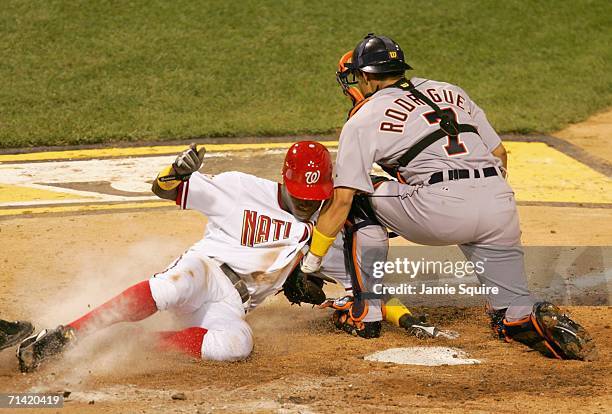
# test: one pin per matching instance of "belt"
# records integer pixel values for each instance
(238, 283)
(461, 174)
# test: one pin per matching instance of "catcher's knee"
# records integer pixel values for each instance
(233, 343)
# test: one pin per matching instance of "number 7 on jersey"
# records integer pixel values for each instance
(454, 145)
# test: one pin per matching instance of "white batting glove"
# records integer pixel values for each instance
(311, 263)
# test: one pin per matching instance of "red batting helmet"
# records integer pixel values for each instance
(307, 172)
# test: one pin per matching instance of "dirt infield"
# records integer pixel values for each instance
(593, 135)
(56, 267)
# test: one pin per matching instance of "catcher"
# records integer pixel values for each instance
(360, 318)
(449, 166)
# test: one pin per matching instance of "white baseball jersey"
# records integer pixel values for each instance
(393, 120)
(247, 228)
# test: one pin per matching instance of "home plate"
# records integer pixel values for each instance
(432, 356)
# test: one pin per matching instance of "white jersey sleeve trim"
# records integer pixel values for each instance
(184, 195)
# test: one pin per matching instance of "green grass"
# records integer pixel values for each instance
(76, 72)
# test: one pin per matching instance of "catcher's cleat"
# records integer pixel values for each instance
(344, 322)
(568, 339)
(11, 333)
(35, 349)
(552, 333)
(497, 323)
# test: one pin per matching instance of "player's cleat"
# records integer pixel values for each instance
(568, 339)
(550, 332)
(11, 333)
(47, 343)
(419, 327)
(396, 313)
(497, 323)
(344, 322)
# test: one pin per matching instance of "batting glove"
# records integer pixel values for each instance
(311, 263)
(189, 161)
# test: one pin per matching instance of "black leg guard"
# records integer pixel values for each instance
(361, 215)
(359, 308)
(350, 318)
(548, 331)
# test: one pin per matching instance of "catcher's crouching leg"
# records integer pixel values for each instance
(365, 243)
(548, 331)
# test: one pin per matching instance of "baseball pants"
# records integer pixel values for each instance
(197, 291)
(479, 215)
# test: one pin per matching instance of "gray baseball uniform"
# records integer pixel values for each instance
(433, 203)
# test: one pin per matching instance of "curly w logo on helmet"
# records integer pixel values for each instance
(312, 177)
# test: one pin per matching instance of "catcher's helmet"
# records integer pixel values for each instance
(377, 54)
(307, 171)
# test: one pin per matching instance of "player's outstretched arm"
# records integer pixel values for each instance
(168, 180)
(170, 194)
(330, 222)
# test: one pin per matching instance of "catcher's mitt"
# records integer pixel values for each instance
(308, 288)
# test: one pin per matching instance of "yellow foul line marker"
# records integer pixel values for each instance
(140, 151)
